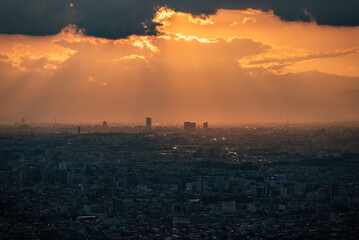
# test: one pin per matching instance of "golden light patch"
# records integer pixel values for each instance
(202, 20)
(142, 42)
(134, 56)
(50, 66)
(91, 79)
(248, 19)
(190, 38)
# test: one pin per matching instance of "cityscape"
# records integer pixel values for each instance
(269, 181)
(168, 119)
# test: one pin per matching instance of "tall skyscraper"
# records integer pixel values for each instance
(24, 125)
(205, 125)
(104, 124)
(189, 126)
(78, 130)
(148, 123)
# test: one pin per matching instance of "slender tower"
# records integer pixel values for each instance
(148, 123)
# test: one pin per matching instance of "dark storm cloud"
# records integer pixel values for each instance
(120, 18)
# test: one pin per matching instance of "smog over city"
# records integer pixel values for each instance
(151, 119)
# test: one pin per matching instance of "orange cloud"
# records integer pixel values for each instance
(230, 65)
(294, 40)
(282, 59)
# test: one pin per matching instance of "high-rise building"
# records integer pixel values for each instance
(78, 130)
(104, 124)
(205, 125)
(23, 123)
(148, 123)
(189, 126)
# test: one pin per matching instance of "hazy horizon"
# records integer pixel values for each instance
(179, 123)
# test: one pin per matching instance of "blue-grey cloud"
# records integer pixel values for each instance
(121, 18)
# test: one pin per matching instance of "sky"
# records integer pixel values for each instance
(216, 61)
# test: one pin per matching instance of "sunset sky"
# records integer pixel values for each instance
(216, 61)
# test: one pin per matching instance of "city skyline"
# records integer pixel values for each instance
(161, 122)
